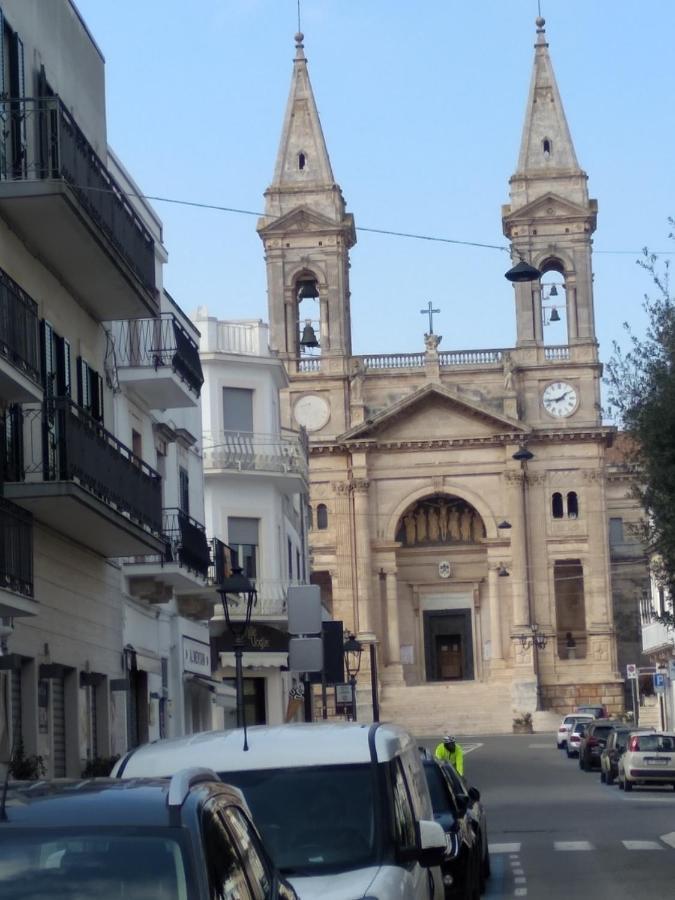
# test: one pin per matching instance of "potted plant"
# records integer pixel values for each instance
(522, 723)
(25, 768)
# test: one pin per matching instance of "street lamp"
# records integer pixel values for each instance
(237, 584)
(533, 639)
(352, 652)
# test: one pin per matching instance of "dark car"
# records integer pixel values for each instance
(593, 743)
(462, 865)
(469, 797)
(597, 710)
(188, 836)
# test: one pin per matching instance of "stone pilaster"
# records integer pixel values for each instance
(364, 571)
(496, 649)
(343, 585)
(519, 586)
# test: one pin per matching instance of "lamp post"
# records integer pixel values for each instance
(237, 584)
(352, 653)
(534, 639)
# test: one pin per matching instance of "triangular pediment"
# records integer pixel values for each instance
(550, 206)
(434, 413)
(302, 219)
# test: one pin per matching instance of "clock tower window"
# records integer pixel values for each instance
(557, 509)
(308, 315)
(322, 517)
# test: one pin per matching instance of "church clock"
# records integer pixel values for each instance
(312, 412)
(560, 399)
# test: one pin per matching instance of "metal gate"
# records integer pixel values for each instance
(59, 727)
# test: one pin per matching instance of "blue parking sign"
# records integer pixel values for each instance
(659, 682)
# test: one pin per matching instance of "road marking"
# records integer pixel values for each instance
(504, 848)
(642, 845)
(469, 748)
(572, 845)
(669, 838)
(520, 880)
(539, 746)
(520, 892)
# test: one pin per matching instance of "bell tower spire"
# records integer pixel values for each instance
(306, 232)
(550, 218)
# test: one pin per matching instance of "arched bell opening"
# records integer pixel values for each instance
(553, 303)
(442, 590)
(308, 314)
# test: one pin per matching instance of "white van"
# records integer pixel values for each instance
(344, 809)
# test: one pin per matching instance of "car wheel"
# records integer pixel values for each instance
(627, 785)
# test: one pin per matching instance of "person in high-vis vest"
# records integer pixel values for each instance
(450, 751)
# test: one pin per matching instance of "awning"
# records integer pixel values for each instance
(211, 685)
(256, 660)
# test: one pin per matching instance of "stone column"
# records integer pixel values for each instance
(364, 572)
(343, 584)
(393, 635)
(496, 650)
(519, 573)
(572, 317)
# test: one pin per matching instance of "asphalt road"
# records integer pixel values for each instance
(557, 833)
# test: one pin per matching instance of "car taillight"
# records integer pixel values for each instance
(591, 742)
(634, 744)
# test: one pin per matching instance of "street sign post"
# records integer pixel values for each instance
(631, 671)
(659, 683)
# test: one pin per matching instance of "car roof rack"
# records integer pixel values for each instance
(183, 780)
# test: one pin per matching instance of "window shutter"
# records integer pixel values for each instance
(47, 354)
(97, 396)
(62, 365)
(83, 384)
(184, 485)
(17, 91)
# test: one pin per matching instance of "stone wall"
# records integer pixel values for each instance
(563, 698)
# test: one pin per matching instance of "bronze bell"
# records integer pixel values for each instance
(308, 338)
(555, 315)
(307, 290)
(522, 272)
(553, 292)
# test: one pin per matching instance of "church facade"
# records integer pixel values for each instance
(460, 498)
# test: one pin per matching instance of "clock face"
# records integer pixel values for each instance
(312, 412)
(560, 399)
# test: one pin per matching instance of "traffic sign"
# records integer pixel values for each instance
(659, 683)
(631, 670)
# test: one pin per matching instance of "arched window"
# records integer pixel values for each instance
(322, 517)
(547, 147)
(557, 505)
(301, 160)
(572, 505)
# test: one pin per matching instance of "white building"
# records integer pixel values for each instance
(658, 644)
(102, 546)
(256, 498)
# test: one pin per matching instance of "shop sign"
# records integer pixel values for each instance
(196, 657)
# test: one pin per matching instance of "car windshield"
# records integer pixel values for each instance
(313, 820)
(55, 865)
(440, 795)
(655, 742)
(580, 728)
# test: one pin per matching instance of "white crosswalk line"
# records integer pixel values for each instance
(669, 839)
(642, 845)
(504, 848)
(539, 746)
(572, 845)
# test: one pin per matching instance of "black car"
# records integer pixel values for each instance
(593, 743)
(462, 865)
(470, 798)
(188, 836)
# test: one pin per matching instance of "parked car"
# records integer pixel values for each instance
(597, 711)
(469, 797)
(566, 726)
(190, 836)
(462, 865)
(649, 759)
(593, 743)
(574, 738)
(344, 809)
(617, 741)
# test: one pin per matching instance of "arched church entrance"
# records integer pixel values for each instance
(441, 563)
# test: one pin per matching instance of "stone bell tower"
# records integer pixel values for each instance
(550, 219)
(307, 235)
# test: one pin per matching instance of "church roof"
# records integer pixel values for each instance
(409, 405)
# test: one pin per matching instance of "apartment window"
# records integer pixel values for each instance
(136, 443)
(615, 531)
(237, 409)
(184, 490)
(242, 536)
(322, 517)
(89, 389)
(55, 352)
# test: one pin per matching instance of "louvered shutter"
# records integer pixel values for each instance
(4, 106)
(17, 91)
(59, 727)
(48, 358)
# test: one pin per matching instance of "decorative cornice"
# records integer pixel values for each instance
(514, 478)
(341, 488)
(360, 485)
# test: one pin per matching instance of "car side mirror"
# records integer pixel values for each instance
(474, 794)
(432, 844)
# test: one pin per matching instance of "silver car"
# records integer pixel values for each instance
(649, 759)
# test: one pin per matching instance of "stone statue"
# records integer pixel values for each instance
(409, 524)
(421, 518)
(477, 529)
(434, 530)
(453, 524)
(465, 525)
(431, 342)
(443, 521)
(509, 371)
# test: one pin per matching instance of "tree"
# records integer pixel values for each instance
(641, 382)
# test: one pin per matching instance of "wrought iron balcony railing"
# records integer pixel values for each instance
(186, 541)
(16, 549)
(249, 451)
(59, 441)
(156, 343)
(19, 335)
(40, 140)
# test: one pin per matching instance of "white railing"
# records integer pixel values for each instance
(393, 360)
(249, 338)
(310, 364)
(246, 451)
(470, 357)
(271, 600)
(553, 354)
(656, 635)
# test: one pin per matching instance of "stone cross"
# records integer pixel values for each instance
(430, 312)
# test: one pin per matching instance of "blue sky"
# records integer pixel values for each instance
(422, 106)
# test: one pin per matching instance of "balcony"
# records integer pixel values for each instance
(158, 360)
(182, 567)
(282, 457)
(60, 197)
(76, 477)
(19, 344)
(16, 561)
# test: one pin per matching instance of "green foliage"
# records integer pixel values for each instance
(99, 767)
(524, 720)
(641, 382)
(25, 768)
